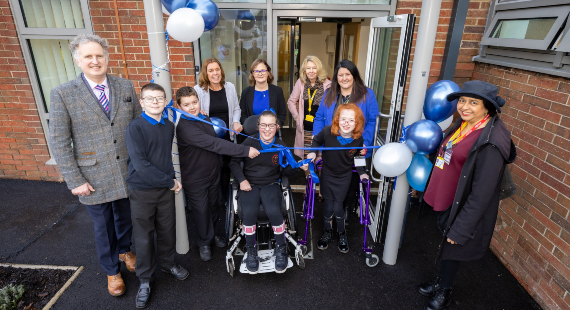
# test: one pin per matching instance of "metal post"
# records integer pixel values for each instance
(429, 18)
(161, 75)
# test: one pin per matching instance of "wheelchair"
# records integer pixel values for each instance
(265, 238)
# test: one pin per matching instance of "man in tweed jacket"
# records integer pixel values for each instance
(87, 123)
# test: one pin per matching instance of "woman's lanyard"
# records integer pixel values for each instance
(444, 155)
(309, 117)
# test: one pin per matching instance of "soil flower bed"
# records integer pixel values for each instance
(41, 284)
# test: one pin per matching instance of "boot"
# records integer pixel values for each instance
(440, 300)
(252, 261)
(323, 243)
(427, 289)
(281, 258)
(342, 242)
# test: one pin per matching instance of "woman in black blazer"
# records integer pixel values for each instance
(261, 95)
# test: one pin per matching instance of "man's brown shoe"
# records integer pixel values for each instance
(130, 260)
(116, 285)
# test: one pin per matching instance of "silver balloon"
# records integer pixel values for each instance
(392, 159)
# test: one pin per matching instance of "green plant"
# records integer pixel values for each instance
(10, 295)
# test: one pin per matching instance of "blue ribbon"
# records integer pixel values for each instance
(403, 136)
(313, 174)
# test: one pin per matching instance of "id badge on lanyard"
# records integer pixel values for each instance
(447, 156)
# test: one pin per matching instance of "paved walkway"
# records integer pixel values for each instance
(42, 223)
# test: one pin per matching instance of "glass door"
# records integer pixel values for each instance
(287, 58)
(386, 72)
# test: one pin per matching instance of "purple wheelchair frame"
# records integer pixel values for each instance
(364, 193)
(309, 207)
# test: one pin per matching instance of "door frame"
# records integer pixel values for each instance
(272, 57)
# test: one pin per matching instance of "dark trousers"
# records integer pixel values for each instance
(352, 193)
(447, 272)
(203, 200)
(153, 211)
(269, 196)
(113, 229)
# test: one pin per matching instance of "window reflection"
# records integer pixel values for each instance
(239, 38)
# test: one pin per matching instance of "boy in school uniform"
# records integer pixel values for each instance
(152, 186)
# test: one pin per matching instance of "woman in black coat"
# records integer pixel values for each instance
(466, 183)
(261, 95)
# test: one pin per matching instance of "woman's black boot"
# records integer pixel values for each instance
(323, 243)
(427, 289)
(342, 242)
(252, 261)
(440, 300)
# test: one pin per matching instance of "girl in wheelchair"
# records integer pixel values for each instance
(346, 131)
(258, 180)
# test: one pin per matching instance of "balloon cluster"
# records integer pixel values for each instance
(189, 19)
(422, 137)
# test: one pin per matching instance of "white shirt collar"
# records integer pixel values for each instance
(93, 84)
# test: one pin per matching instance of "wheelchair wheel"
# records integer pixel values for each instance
(292, 215)
(372, 260)
(230, 216)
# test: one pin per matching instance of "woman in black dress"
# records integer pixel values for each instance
(261, 95)
(345, 131)
(200, 160)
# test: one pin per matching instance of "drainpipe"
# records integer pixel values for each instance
(425, 42)
(158, 57)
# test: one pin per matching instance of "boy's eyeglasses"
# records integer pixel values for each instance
(259, 72)
(264, 126)
(150, 99)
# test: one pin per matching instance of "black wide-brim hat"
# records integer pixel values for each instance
(480, 90)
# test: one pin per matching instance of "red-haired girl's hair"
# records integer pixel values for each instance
(358, 116)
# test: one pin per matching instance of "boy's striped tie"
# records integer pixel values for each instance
(102, 98)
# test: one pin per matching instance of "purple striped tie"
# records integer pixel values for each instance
(102, 98)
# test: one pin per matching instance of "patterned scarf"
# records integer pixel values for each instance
(318, 96)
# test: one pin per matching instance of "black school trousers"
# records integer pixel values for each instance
(153, 211)
(203, 200)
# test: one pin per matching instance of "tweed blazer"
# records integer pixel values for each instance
(87, 145)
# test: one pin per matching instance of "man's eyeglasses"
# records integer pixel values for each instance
(150, 99)
(259, 72)
(264, 126)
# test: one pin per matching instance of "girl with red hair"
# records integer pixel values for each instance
(346, 131)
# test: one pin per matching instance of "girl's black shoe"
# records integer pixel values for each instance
(323, 243)
(252, 261)
(342, 242)
(281, 258)
(440, 300)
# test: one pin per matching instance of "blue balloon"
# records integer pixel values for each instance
(209, 11)
(423, 137)
(418, 172)
(220, 132)
(436, 106)
(173, 5)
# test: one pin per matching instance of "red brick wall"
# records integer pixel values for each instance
(23, 147)
(532, 236)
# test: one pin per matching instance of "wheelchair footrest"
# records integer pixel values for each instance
(266, 262)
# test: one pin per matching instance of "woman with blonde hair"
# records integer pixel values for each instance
(305, 99)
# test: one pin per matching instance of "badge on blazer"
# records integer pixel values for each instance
(275, 159)
(128, 99)
(352, 152)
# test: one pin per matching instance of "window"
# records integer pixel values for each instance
(530, 35)
(239, 38)
(45, 29)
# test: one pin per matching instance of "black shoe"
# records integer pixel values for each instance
(220, 242)
(205, 253)
(143, 296)
(427, 289)
(323, 243)
(342, 242)
(252, 261)
(177, 271)
(440, 300)
(281, 258)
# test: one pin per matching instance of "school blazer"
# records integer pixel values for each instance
(276, 102)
